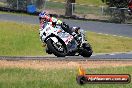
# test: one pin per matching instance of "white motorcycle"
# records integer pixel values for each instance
(61, 43)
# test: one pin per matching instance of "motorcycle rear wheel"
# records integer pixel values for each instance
(52, 46)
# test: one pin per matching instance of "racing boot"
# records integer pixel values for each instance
(48, 51)
(130, 12)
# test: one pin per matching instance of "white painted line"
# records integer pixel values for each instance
(100, 33)
(112, 35)
(121, 36)
(106, 34)
(112, 54)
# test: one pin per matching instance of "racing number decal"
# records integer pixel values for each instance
(69, 39)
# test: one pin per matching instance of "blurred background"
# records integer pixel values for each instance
(103, 10)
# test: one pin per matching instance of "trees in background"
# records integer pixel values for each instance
(40, 3)
(69, 7)
(116, 3)
(118, 14)
(18, 4)
(22, 4)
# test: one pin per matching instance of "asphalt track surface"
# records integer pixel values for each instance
(94, 57)
(123, 30)
(99, 27)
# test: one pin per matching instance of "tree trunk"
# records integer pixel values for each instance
(68, 8)
(40, 3)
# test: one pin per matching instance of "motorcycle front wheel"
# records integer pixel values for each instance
(87, 50)
(58, 49)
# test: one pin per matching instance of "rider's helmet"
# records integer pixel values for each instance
(43, 17)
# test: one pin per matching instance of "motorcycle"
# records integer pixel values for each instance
(61, 43)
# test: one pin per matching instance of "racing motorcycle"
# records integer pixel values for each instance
(61, 43)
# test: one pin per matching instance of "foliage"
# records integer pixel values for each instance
(116, 3)
(18, 4)
(40, 3)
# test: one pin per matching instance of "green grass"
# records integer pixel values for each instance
(23, 40)
(19, 39)
(87, 2)
(80, 9)
(105, 44)
(14, 13)
(54, 5)
(61, 78)
(2, 4)
(87, 10)
(90, 2)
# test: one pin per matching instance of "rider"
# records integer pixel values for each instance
(44, 17)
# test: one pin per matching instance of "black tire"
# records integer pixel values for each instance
(87, 50)
(48, 51)
(54, 50)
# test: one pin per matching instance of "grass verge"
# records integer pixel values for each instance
(19, 39)
(87, 2)
(107, 43)
(79, 9)
(55, 78)
(14, 13)
(23, 40)
(2, 4)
